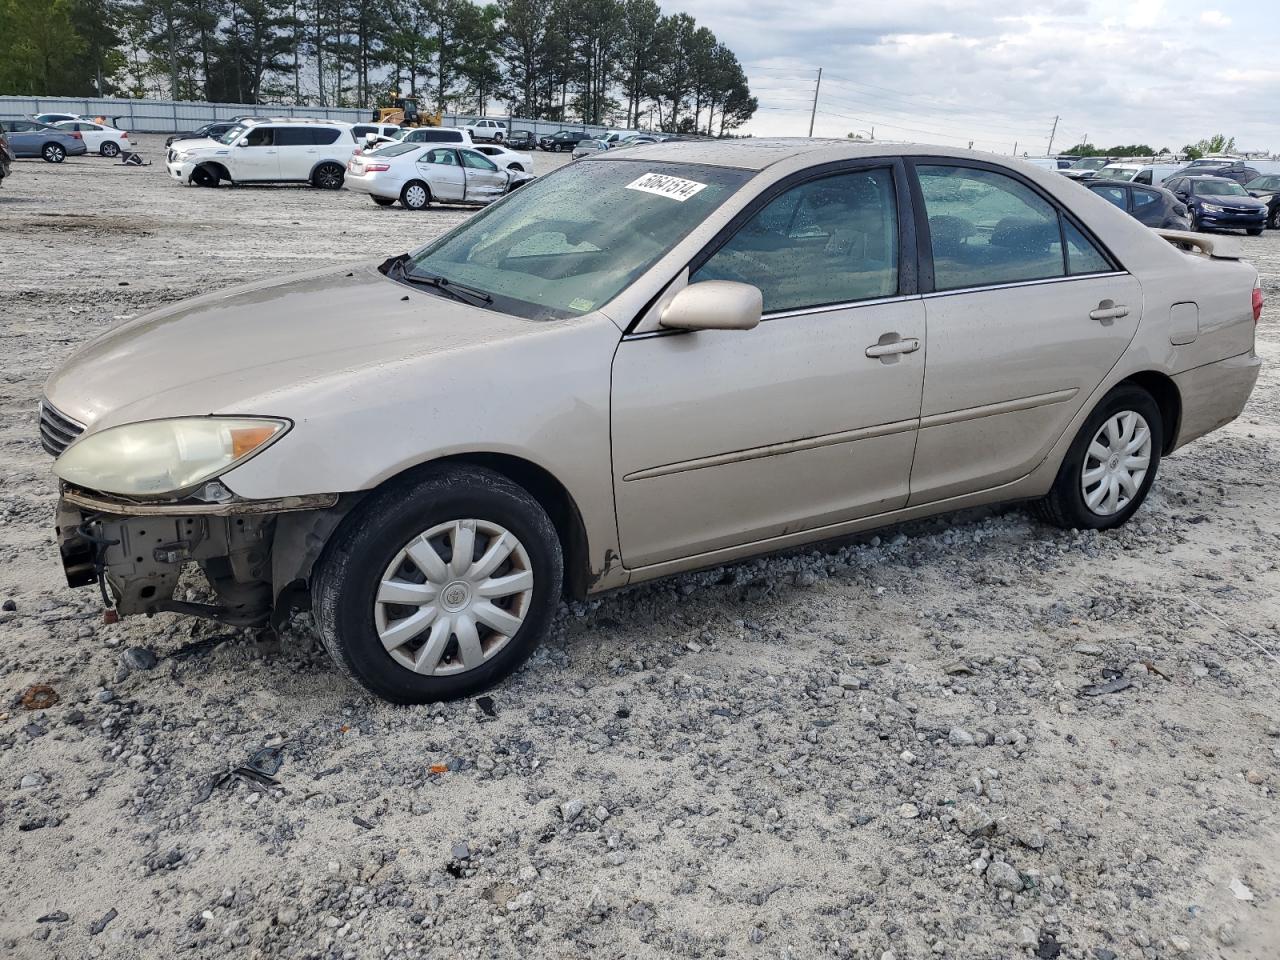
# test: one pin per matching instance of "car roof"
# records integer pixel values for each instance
(303, 121)
(1200, 176)
(757, 153)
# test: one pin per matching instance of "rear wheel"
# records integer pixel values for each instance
(1255, 232)
(383, 201)
(415, 195)
(1110, 465)
(1274, 220)
(439, 587)
(328, 176)
(516, 167)
(53, 153)
(109, 148)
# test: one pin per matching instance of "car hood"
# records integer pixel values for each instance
(1237, 201)
(237, 350)
(190, 144)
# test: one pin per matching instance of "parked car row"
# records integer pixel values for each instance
(62, 138)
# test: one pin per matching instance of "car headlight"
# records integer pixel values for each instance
(164, 456)
(1211, 208)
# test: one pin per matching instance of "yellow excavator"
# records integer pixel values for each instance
(404, 112)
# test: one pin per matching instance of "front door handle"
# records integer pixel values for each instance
(1108, 310)
(892, 347)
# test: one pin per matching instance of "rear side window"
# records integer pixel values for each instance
(1111, 195)
(833, 240)
(323, 136)
(363, 131)
(293, 137)
(437, 136)
(1142, 198)
(1082, 255)
(987, 228)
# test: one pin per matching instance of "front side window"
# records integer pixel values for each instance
(476, 162)
(262, 137)
(569, 242)
(987, 228)
(833, 240)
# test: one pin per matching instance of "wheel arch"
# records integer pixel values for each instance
(217, 169)
(326, 162)
(301, 538)
(1167, 397)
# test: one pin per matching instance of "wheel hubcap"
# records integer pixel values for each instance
(453, 597)
(416, 196)
(1116, 463)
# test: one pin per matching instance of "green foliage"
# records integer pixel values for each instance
(598, 61)
(1129, 150)
(1210, 146)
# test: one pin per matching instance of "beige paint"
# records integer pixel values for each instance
(693, 448)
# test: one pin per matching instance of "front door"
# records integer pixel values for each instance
(722, 438)
(485, 181)
(443, 172)
(259, 159)
(1027, 316)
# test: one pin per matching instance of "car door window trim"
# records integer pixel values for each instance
(789, 314)
(924, 240)
(1023, 283)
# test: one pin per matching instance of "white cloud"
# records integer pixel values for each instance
(1215, 18)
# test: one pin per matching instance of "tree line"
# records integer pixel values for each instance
(599, 61)
(1209, 146)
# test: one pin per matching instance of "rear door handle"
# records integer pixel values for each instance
(1106, 311)
(909, 345)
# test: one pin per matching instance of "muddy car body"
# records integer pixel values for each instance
(650, 361)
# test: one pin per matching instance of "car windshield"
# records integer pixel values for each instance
(1263, 183)
(396, 149)
(1218, 188)
(570, 242)
(1116, 173)
(233, 134)
(1089, 163)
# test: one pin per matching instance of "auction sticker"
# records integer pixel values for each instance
(674, 188)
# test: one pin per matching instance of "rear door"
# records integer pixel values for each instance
(1026, 313)
(1148, 206)
(442, 170)
(297, 151)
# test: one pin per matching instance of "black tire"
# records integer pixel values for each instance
(204, 177)
(109, 148)
(1064, 506)
(53, 153)
(516, 167)
(559, 147)
(328, 176)
(1254, 232)
(1274, 220)
(383, 201)
(1195, 223)
(410, 198)
(349, 573)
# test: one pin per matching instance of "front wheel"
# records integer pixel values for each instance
(1110, 465)
(439, 587)
(53, 153)
(1274, 220)
(1254, 231)
(328, 176)
(516, 167)
(110, 149)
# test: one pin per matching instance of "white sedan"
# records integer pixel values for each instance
(418, 173)
(99, 137)
(506, 159)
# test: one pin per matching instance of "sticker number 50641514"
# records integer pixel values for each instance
(674, 188)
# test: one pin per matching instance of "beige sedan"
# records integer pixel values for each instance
(650, 361)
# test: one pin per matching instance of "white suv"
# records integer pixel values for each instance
(267, 151)
(495, 130)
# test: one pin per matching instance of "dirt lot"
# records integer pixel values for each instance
(875, 751)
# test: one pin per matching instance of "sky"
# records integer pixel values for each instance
(951, 71)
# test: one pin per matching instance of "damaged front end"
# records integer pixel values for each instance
(137, 551)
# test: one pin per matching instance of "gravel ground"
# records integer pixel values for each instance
(879, 750)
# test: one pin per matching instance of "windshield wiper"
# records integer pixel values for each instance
(394, 268)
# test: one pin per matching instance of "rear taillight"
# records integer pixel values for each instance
(1257, 301)
(376, 167)
(75, 135)
(124, 135)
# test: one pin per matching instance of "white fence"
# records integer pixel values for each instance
(170, 116)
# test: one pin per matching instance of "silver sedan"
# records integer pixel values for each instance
(418, 173)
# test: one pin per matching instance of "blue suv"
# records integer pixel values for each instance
(1219, 203)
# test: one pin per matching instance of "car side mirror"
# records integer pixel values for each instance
(244, 142)
(714, 305)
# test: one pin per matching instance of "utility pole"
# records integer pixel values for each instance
(814, 112)
(1052, 133)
